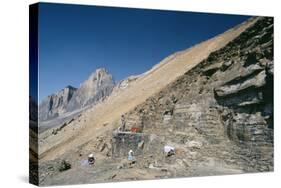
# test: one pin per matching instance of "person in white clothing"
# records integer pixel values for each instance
(131, 155)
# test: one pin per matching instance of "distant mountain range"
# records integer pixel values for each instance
(96, 88)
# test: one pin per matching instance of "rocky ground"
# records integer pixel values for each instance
(225, 103)
(217, 114)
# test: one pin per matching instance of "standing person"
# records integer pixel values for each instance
(123, 123)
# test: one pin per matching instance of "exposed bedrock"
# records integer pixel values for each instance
(224, 104)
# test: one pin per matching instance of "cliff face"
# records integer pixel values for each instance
(96, 88)
(55, 104)
(222, 108)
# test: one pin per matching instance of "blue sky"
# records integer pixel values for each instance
(76, 40)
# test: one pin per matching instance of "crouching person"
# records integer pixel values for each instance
(169, 151)
(131, 155)
(91, 159)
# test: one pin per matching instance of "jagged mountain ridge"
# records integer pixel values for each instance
(98, 86)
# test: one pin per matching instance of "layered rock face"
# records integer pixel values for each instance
(221, 109)
(55, 104)
(97, 87)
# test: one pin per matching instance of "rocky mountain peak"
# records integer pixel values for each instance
(97, 78)
(100, 72)
(70, 87)
(65, 92)
(98, 86)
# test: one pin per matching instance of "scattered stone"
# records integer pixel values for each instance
(194, 144)
(103, 147)
(150, 166)
(64, 165)
(164, 169)
(54, 131)
(141, 144)
(113, 176)
(120, 166)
